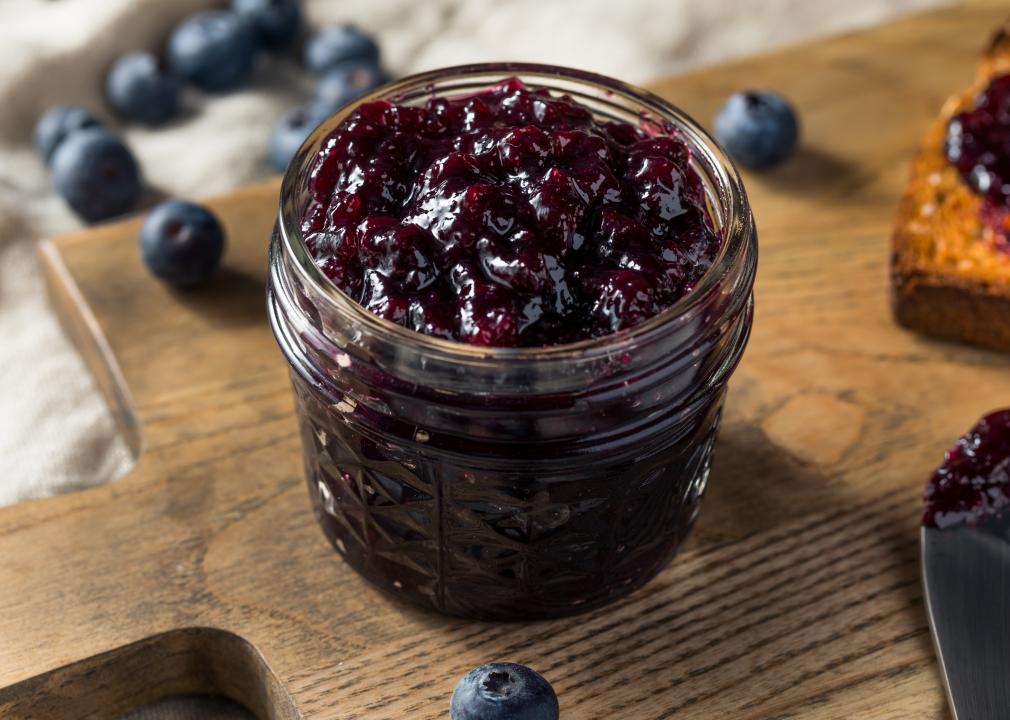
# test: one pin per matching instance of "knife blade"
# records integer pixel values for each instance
(966, 574)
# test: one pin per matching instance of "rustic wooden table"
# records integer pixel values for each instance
(798, 595)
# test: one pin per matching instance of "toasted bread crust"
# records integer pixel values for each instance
(948, 277)
(996, 58)
(960, 314)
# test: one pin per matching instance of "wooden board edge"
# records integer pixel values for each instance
(184, 661)
(85, 333)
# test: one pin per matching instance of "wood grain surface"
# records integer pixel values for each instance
(797, 597)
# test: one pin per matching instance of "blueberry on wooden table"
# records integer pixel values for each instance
(96, 174)
(57, 123)
(214, 50)
(503, 691)
(275, 23)
(758, 128)
(141, 89)
(332, 46)
(181, 243)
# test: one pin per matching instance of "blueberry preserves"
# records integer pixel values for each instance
(531, 221)
(974, 480)
(978, 143)
(508, 407)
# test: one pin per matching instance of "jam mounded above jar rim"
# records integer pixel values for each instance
(511, 217)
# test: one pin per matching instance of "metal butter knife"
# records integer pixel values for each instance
(966, 573)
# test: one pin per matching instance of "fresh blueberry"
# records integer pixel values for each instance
(96, 174)
(348, 81)
(275, 22)
(290, 132)
(139, 88)
(503, 691)
(758, 128)
(56, 124)
(334, 45)
(213, 49)
(181, 243)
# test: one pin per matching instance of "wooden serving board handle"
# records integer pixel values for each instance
(203, 570)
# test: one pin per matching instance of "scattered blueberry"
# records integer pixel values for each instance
(56, 124)
(347, 81)
(181, 243)
(96, 174)
(213, 49)
(334, 45)
(139, 88)
(275, 22)
(758, 128)
(290, 132)
(503, 691)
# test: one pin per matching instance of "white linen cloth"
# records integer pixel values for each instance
(55, 433)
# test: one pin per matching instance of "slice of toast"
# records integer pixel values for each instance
(950, 277)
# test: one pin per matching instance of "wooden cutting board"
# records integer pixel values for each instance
(797, 597)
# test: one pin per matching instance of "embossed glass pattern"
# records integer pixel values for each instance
(512, 482)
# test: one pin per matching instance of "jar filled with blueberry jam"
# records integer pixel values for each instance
(511, 297)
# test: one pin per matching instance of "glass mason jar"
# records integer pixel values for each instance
(512, 482)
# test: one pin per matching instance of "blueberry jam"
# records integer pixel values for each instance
(978, 143)
(974, 480)
(545, 480)
(509, 217)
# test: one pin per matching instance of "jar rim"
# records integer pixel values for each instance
(737, 225)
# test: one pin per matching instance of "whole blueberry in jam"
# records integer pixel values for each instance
(978, 143)
(509, 217)
(974, 480)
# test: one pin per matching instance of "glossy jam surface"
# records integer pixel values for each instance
(974, 480)
(978, 143)
(510, 217)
